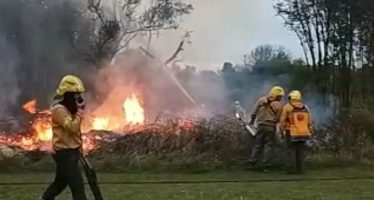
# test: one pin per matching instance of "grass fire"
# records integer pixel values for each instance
(183, 99)
(40, 134)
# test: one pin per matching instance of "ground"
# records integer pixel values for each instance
(326, 184)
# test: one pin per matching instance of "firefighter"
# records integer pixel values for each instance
(296, 126)
(67, 115)
(266, 114)
(239, 111)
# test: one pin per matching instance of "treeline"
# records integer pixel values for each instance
(337, 37)
(337, 70)
(263, 67)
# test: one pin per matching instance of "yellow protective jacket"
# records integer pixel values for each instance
(285, 120)
(266, 111)
(65, 128)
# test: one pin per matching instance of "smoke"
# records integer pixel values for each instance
(134, 73)
(321, 111)
(36, 50)
(9, 89)
(113, 84)
(218, 91)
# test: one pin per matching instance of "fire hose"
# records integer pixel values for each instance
(87, 167)
(249, 128)
(91, 178)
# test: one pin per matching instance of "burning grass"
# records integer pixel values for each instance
(175, 144)
(181, 144)
(193, 145)
(38, 136)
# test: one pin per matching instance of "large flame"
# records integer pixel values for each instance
(40, 134)
(42, 123)
(100, 123)
(134, 112)
(43, 128)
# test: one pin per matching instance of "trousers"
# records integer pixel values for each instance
(295, 155)
(264, 143)
(68, 173)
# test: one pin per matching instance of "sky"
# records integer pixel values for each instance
(225, 30)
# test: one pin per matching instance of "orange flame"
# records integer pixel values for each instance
(41, 125)
(100, 123)
(41, 134)
(43, 128)
(134, 113)
(30, 106)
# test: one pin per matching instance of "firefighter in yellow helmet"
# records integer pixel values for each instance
(296, 126)
(67, 115)
(266, 114)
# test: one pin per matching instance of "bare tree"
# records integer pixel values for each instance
(115, 26)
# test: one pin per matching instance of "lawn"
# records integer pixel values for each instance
(353, 184)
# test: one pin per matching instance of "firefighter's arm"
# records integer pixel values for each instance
(278, 111)
(310, 124)
(255, 111)
(283, 119)
(70, 124)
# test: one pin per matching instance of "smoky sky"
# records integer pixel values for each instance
(224, 30)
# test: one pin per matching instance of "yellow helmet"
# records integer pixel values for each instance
(295, 95)
(276, 91)
(70, 83)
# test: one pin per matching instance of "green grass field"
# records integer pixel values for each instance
(358, 184)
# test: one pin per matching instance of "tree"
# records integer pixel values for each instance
(265, 53)
(115, 27)
(332, 34)
(267, 59)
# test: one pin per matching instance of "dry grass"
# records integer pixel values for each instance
(204, 145)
